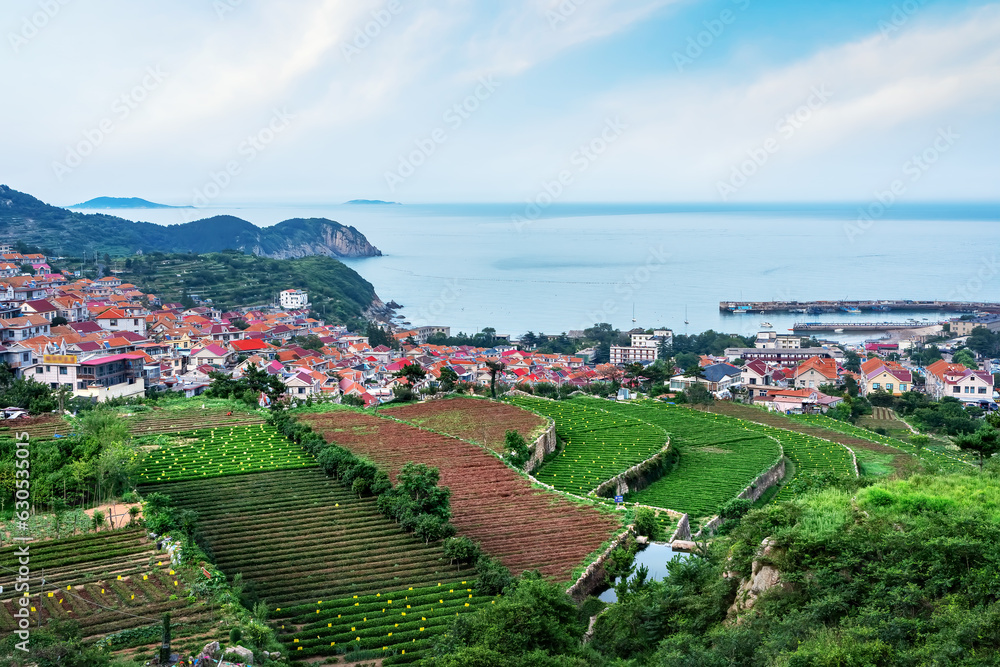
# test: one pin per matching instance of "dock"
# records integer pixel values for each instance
(848, 306)
(849, 327)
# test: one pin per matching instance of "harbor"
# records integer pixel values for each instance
(858, 327)
(856, 306)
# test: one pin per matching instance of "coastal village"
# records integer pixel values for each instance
(105, 338)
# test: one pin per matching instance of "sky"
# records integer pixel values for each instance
(218, 102)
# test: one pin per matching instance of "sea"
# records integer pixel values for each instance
(516, 268)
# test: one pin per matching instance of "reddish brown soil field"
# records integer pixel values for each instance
(483, 422)
(525, 528)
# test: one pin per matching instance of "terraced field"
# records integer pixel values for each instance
(719, 457)
(107, 583)
(597, 444)
(400, 624)
(525, 528)
(41, 427)
(177, 420)
(950, 461)
(475, 420)
(303, 542)
(217, 452)
(903, 455)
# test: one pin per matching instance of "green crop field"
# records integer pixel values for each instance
(217, 452)
(299, 537)
(948, 460)
(718, 457)
(598, 444)
(400, 624)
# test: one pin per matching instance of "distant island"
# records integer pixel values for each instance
(121, 202)
(372, 202)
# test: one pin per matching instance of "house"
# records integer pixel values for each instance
(21, 328)
(965, 384)
(784, 357)
(628, 355)
(213, 355)
(797, 401)
(816, 372)
(888, 376)
(771, 340)
(965, 327)
(70, 308)
(304, 384)
(294, 299)
(40, 307)
(718, 378)
(57, 370)
(115, 319)
(758, 377)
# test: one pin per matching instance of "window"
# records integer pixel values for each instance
(982, 390)
(956, 390)
(902, 387)
(39, 370)
(875, 386)
(888, 386)
(114, 323)
(753, 380)
(63, 370)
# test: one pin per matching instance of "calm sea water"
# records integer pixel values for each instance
(473, 266)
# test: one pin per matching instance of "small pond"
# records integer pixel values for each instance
(655, 556)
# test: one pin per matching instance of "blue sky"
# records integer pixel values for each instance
(233, 101)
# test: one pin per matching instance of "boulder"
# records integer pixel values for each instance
(212, 650)
(239, 653)
(763, 577)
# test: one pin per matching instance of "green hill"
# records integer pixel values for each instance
(28, 220)
(232, 279)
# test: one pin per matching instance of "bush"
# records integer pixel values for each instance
(517, 449)
(646, 524)
(735, 509)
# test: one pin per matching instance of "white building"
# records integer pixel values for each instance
(294, 299)
(770, 340)
(627, 355)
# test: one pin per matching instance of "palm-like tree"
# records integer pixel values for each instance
(494, 367)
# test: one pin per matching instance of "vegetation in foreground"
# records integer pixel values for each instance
(900, 572)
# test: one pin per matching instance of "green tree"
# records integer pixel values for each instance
(448, 378)
(697, 394)
(985, 442)
(495, 368)
(411, 372)
(966, 358)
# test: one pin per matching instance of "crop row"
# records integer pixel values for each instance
(597, 444)
(716, 458)
(218, 452)
(491, 503)
(951, 462)
(296, 535)
(123, 586)
(475, 420)
(392, 622)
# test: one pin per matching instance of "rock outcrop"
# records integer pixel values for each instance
(763, 577)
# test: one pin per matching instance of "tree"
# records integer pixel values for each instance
(852, 361)
(985, 442)
(610, 373)
(966, 358)
(59, 320)
(919, 441)
(165, 646)
(698, 394)
(461, 550)
(494, 368)
(695, 371)
(448, 378)
(28, 269)
(411, 372)
(632, 373)
(517, 451)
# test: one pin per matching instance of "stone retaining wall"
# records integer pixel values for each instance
(683, 531)
(595, 576)
(544, 445)
(632, 479)
(764, 482)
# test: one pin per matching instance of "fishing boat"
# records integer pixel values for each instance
(766, 325)
(850, 309)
